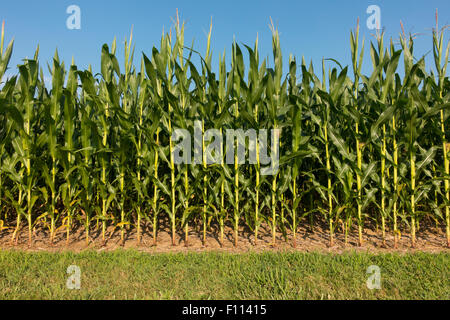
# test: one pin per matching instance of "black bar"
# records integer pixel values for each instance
(224, 309)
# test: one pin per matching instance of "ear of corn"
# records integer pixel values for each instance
(353, 148)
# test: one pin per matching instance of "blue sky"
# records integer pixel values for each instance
(313, 29)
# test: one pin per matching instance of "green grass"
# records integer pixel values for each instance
(135, 275)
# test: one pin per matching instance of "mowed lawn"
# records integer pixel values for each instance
(292, 276)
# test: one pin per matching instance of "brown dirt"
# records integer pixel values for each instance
(429, 239)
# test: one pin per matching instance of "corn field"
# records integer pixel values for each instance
(96, 149)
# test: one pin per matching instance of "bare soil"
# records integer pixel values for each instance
(429, 239)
